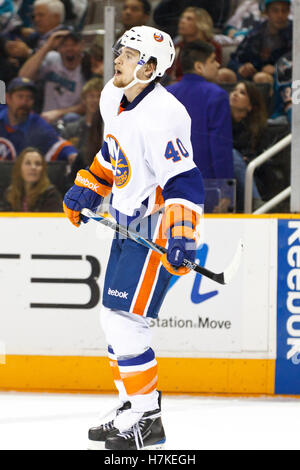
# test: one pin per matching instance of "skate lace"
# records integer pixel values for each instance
(136, 431)
(110, 424)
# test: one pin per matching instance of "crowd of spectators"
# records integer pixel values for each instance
(232, 71)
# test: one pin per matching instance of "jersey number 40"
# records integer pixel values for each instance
(173, 154)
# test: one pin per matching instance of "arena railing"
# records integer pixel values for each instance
(252, 166)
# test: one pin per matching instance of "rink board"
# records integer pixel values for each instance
(240, 338)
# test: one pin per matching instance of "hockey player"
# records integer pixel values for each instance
(146, 162)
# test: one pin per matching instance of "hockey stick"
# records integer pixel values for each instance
(222, 278)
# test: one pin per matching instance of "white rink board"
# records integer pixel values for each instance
(237, 321)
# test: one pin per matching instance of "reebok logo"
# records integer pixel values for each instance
(87, 183)
(116, 293)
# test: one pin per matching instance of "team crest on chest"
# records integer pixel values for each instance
(119, 161)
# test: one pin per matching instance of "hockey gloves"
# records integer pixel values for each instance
(180, 228)
(178, 250)
(85, 193)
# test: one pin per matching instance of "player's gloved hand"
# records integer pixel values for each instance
(180, 248)
(83, 194)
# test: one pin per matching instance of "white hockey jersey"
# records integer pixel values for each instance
(145, 146)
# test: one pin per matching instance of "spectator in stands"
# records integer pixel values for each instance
(264, 45)
(247, 16)
(135, 13)
(20, 127)
(8, 17)
(208, 107)
(167, 12)
(20, 42)
(30, 189)
(61, 72)
(48, 17)
(6, 10)
(250, 139)
(94, 59)
(283, 91)
(194, 23)
(78, 132)
(25, 12)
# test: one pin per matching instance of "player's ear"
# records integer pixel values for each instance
(150, 68)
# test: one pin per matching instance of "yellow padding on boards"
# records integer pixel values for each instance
(182, 375)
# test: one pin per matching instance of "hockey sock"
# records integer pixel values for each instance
(116, 375)
(139, 377)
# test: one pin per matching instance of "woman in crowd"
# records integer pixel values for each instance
(30, 189)
(249, 125)
(194, 23)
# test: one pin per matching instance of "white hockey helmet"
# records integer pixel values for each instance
(150, 43)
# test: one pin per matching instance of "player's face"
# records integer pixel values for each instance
(125, 65)
(32, 168)
(239, 98)
(20, 104)
(278, 13)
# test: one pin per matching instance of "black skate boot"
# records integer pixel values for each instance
(99, 434)
(148, 434)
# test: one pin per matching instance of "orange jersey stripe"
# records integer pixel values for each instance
(159, 200)
(140, 383)
(102, 172)
(149, 277)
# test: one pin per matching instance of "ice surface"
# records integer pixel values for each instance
(33, 421)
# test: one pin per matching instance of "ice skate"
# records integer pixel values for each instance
(99, 434)
(148, 433)
(145, 432)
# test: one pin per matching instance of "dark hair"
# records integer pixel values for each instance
(257, 119)
(146, 6)
(16, 191)
(195, 51)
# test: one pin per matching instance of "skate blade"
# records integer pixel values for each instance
(96, 445)
(158, 446)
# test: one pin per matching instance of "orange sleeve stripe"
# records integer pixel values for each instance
(102, 172)
(85, 179)
(140, 383)
(149, 277)
(177, 213)
(181, 231)
(159, 200)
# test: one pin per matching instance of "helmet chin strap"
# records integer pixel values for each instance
(137, 80)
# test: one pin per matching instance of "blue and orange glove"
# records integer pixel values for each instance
(86, 192)
(180, 227)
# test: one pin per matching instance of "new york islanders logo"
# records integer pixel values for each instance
(119, 161)
(158, 37)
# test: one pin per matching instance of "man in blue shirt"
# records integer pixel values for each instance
(20, 127)
(265, 44)
(208, 107)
